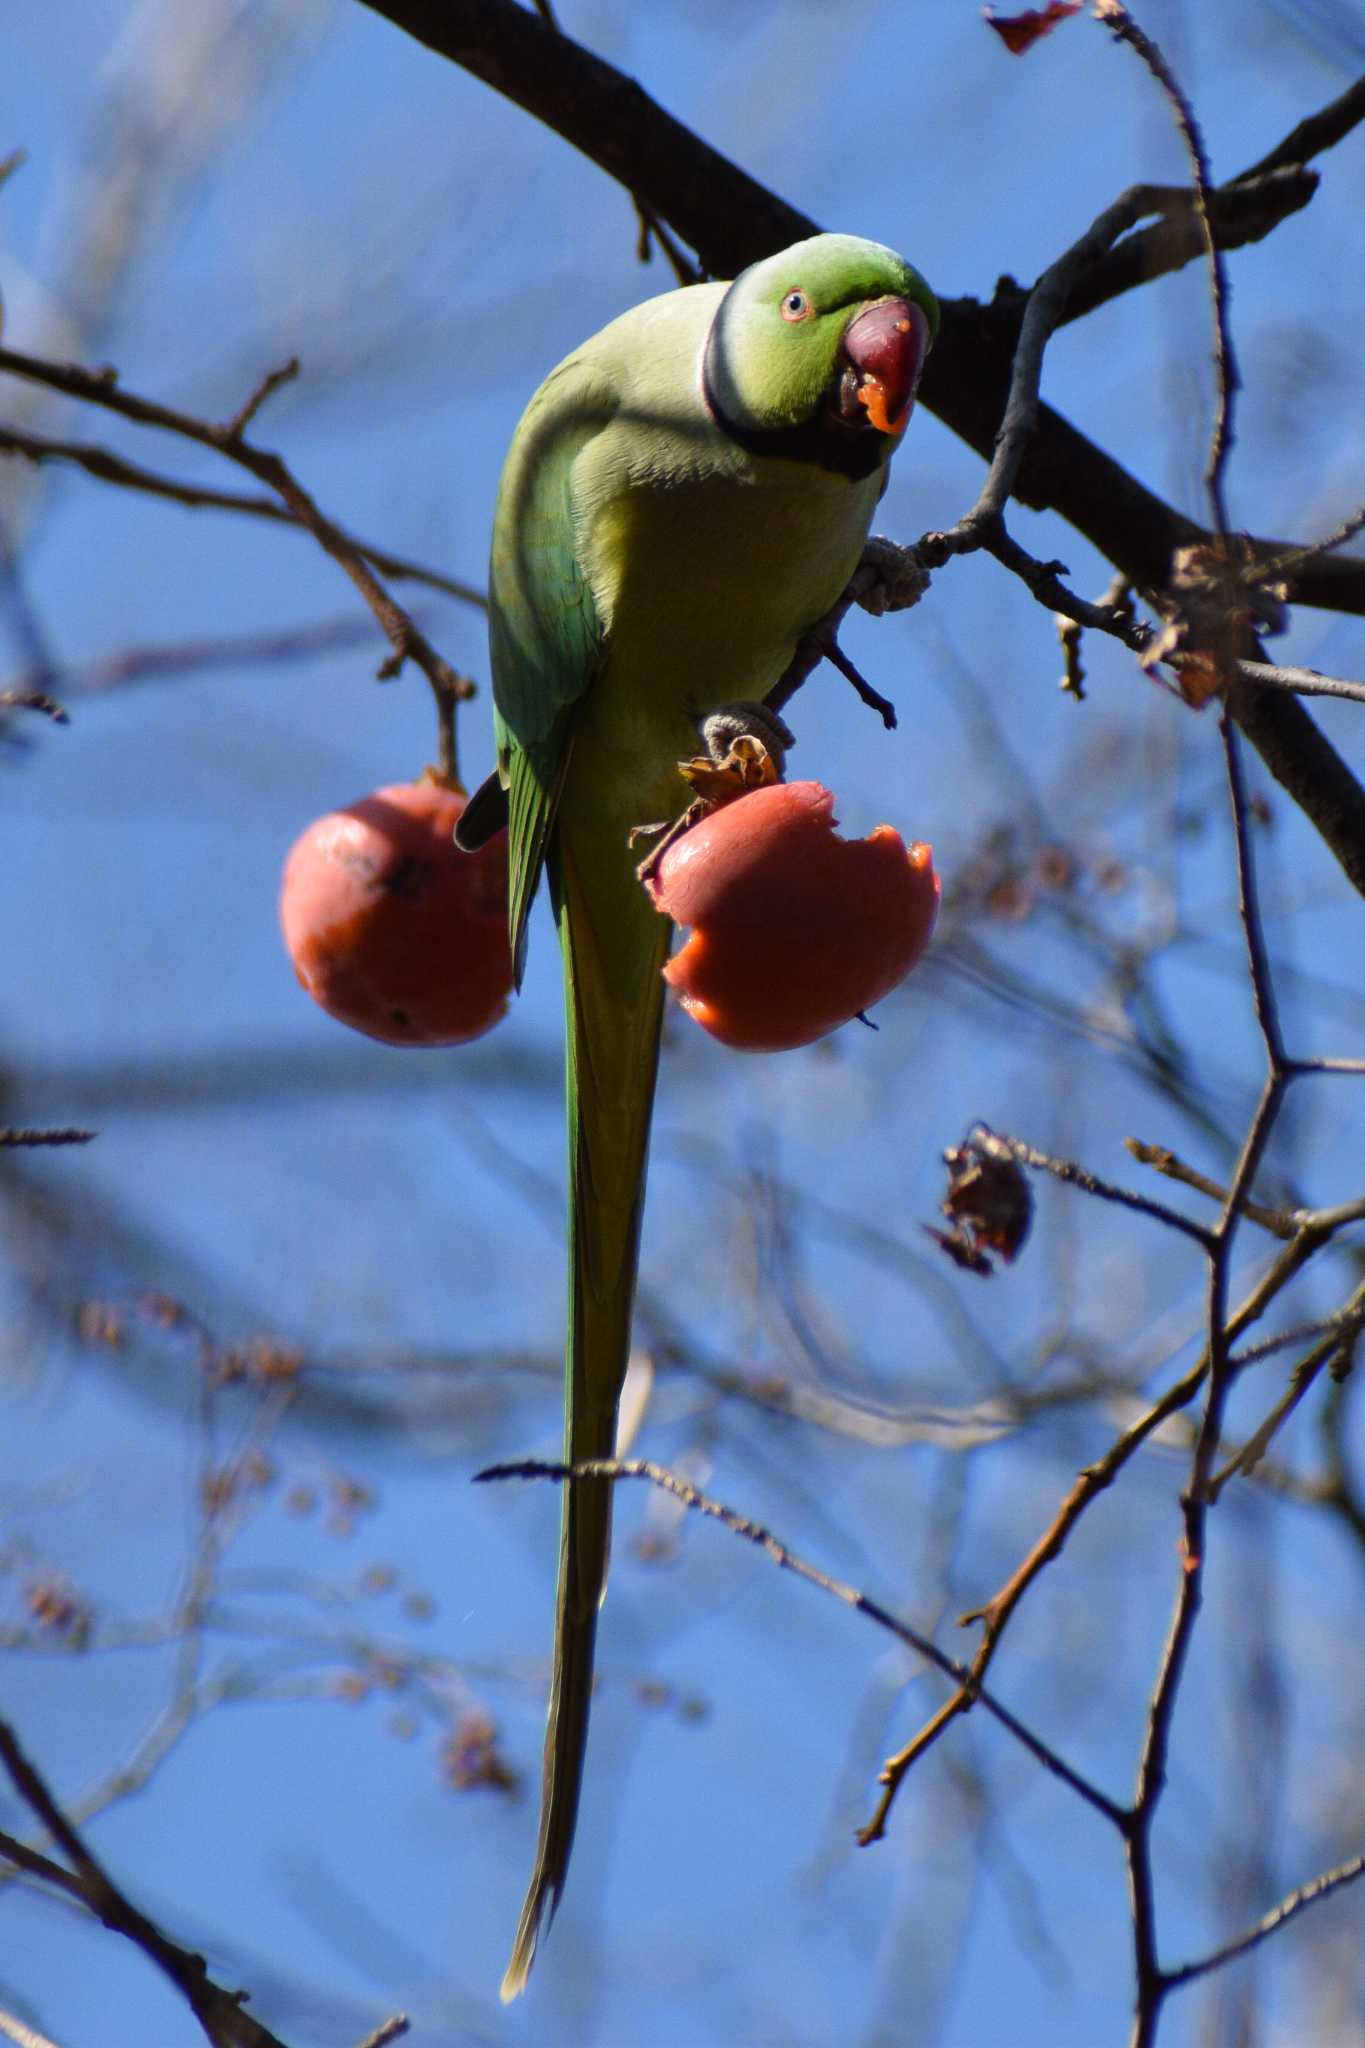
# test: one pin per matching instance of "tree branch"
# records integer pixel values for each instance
(131, 476)
(218, 2012)
(754, 1532)
(408, 642)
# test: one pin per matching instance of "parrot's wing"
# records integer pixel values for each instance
(545, 633)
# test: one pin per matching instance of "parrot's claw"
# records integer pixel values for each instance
(889, 578)
(667, 834)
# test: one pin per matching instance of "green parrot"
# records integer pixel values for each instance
(685, 496)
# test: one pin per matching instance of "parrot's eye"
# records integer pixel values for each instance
(797, 306)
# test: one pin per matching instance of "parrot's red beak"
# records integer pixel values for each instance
(885, 348)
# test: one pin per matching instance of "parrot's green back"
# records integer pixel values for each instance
(649, 564)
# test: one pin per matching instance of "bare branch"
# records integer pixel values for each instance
(1241, 212)
(1335, 1347)
(1320, 131)
(1079, 1177)
(1043, 314)
(64, 1135)
(1160, 1157)
(14, 2029)
(391, 2030)
(115, 469)
(788, 1560)
(1114, 15)
(408, 642)
(1304, 682)
(31, 697)
(219, 2013)
(1288, 1909)
(269, 384)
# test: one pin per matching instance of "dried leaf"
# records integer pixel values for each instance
(1019, 32)
(988, 1205)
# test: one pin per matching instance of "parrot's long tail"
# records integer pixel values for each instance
(613, 956)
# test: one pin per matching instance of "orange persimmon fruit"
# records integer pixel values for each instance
(391, 928)
(794, 930)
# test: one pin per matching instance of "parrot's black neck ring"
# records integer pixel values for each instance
(854, 452)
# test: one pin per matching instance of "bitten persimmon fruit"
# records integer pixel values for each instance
(391, 928)
(794, 930)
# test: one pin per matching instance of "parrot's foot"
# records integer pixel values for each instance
(745, 749)
(729, 723)
(889, 578)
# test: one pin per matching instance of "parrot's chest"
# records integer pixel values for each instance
(705, 582)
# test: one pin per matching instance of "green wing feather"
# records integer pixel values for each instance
(544, 633)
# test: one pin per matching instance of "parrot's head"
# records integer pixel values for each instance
(824, 342)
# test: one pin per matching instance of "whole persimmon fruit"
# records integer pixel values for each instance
(394, 930)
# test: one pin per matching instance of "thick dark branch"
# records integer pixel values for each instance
(1246, 210)
(731, 220)
(1323, 130)
(727, 216)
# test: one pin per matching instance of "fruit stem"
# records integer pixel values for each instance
(447, 692)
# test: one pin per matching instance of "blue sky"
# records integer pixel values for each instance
(327, 188)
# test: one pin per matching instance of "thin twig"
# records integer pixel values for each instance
(1152, 1983)
(1079, 1176)
(14, 2029)
(165, 659)
(1042, 316)
(1114, 15)
(116, 469)
(1271, 569)
(26, 697)
(996, 1613)
(788, 1560)
(390, 2030)
(268, 385)
(1344, 1323)
(1263, 988)
(1304, 682)
(821, 644)
(1279, 1222)
(1335, 1346)
(66, 1134)
(1288, 1909)
(1323, 130)
(219, 2012)
(101, 387)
